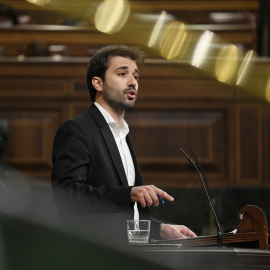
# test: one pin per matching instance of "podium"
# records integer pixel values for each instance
(252, 231)
(248, 248)
(31, 244)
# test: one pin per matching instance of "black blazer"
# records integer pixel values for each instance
(88, 176)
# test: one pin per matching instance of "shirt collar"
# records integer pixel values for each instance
(111, 122)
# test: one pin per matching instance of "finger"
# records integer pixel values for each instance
(134, 194)
(141, 200)
(180, 236)
(144, 197)
(176, 234)
(164, 195)
(161, 200)
(142, 203)
(186, 231)
(191, 233)
(147, 196)
(152, 193)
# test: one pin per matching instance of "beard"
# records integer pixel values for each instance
(117, 99)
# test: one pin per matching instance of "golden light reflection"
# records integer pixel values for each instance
(39, 2)
(161, 32)
(157, 29)
(227, 63)
(187, 47)
(202, 49)
(267, 90)
(172, 40)
(112, 15)
(244, 67)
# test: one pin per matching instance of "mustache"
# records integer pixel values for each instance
(131, 87)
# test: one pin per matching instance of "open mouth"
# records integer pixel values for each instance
(131, 94)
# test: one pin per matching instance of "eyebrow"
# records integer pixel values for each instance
(125, 67)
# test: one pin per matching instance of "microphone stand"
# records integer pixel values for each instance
(205, 186)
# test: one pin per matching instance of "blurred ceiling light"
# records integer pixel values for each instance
(267, 90)
(221, 17)
(244, 67)
(157, 29)
(112, 15)
(227, 63)
(186, 49)
(172, 40)
(39, 2)
(153, 18)
(202, 49)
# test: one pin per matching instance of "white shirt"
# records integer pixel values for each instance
(120, 139)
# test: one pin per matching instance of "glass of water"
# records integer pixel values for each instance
(138, 231)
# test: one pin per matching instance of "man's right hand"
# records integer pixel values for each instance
(147, 195)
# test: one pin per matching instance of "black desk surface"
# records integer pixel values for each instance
(177, 257)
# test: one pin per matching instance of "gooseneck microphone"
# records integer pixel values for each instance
(199, 169)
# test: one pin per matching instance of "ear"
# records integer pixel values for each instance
(97, 83)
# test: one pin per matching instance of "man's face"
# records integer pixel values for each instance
(120, 87)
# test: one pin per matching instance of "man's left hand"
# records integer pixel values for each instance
(169, 232)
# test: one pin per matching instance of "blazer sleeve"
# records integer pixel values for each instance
(72, 187)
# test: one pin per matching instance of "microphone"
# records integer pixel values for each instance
(198, 167)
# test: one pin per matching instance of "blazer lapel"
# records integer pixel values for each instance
(110, 142)
(138, 176)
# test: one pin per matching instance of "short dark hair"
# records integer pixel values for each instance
(98, 64)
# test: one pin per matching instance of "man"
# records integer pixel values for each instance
(95, 170)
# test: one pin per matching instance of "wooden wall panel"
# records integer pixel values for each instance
(158, 136)
(249, 144)
(76, 108)
(156, 86)
(266, 145)
(31, 137)
(172, 5)
(178, 106)
(32, 127)
(32, 87)
(79, 88)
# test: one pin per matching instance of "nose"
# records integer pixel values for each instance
(132, 81)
